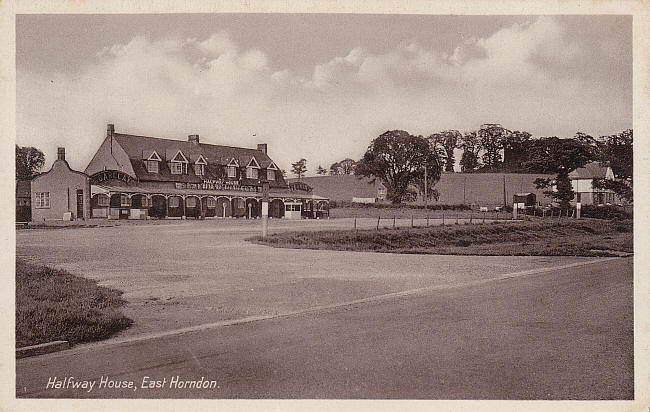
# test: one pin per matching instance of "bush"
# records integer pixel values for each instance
(608, 212)
(349, 204)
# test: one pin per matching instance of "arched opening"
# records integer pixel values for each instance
(99, 205)
(158, 207)
(276, 208)
(192, 206)
(224, 208)
(252, 208)
(116, 200)
(308, 209)
(139, 202)
(209, 206)
(238, 207)
(176, 207)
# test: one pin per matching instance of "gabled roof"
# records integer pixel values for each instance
(590, 171)
(134, 146)
(151, 154)
(215, 156)
(253, 163)
(201, 160)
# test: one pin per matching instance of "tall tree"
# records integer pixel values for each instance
(492, 137)
(299, 168)
(446, 142)
(398, 159)
(616, 151)
(471, 147)
(344, 167)
(559, 156)
(321, 170)
(29, 162)
(515, 150)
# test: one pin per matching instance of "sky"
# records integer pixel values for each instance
(318, 86)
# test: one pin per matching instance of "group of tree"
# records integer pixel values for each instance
(29, 161)
(399, 159)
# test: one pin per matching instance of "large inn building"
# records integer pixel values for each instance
(137, 177)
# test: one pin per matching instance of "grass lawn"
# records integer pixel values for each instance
(587, 237)
(55, 305)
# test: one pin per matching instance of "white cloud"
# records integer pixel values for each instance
(175, 87)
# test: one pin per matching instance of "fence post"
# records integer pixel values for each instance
(378, 218)
(471, 216)
(393, 221)
(543, 212)
(497, 218)
(412, 220)
(443, 218)
(456, 217)
(355, 224)
(427, 219)
(483, 217)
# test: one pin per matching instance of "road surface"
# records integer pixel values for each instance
(562, 334)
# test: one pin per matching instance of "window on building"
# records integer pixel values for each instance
(102, 200)
(190, 201)
(174, 201)
(42, 200)
(252, 173)
(232, 171)
(211, 203)
(124, 201)
(270, 174)
(199, 170)
(152, 166)
(178, 168)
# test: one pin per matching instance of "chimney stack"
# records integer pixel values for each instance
(60, 153)
(110, 129)
(194, 138)
(262, 147)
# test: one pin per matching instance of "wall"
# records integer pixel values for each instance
(486, 189)
(62, 183)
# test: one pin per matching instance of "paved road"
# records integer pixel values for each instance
(564, 334)
(179, 274)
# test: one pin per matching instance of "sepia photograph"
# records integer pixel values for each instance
(325, 206)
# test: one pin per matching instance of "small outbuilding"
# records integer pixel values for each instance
(60, 193)
(524, 199)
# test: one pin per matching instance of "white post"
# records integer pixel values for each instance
(265, 209)
(578, 207)
(514, 211)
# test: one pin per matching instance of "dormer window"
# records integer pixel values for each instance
(199, 166)
(152, 166)
(178, 164)
(252, 169)
(231, 168)
(251, 173)
(270, 171)
(178, 168)
(152, 162)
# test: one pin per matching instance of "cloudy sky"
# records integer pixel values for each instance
(315, 86)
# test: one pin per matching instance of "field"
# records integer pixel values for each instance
(561, 237)
(55, 305)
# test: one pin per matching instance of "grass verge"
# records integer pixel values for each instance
(588, 237)
(55, 305)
